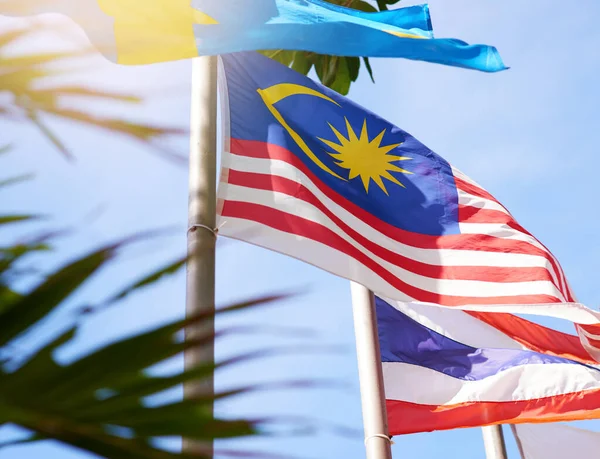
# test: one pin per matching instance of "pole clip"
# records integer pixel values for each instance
(213, 231)
(196, 226)
(385, 437)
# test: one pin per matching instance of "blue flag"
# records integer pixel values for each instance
(147, 31)
(320, 27)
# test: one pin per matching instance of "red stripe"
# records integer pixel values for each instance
(475, 217)
(478, 242)
(536, 337)
(594, 330)
(301, 227)
(474, 190)
(407, 418)
(479, 273)
(471, 214)
(560, 273)
(593, 342)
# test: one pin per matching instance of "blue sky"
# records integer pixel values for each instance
(529, 135)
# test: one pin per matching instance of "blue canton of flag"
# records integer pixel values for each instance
(311, 174)
(365, 159)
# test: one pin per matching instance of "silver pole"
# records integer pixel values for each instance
(513, 428)
(200, 292)
(493, 440)
(370, 373)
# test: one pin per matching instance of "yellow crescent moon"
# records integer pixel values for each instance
(278, 92)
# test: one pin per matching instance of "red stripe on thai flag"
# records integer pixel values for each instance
(407, 418)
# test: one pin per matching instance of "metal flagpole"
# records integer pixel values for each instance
(493, 440)
(201, 240)
(377, 441)
(513, 428)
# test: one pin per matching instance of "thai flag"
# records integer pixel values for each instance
(446, 369)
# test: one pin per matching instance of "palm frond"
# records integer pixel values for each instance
(336, 72)
(22, 75)
(99, 402)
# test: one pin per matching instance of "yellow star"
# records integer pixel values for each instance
(366, 159)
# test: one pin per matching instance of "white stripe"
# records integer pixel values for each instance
(456, 325)
(327, 258)
(529, 239)
(453, 287)
(461, 175)
(470, 200)
(502, 231)
(420, 385)
(505, 231)
(587, 345)
(439, 257)
(589, 335)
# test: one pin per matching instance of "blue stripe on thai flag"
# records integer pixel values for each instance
(434, 381)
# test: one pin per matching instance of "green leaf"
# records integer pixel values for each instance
(53, 138)
(342, 79)
(33, 307)
(362, 6)
(150, 279)
(369, 69)
(9, 255)
(7, 219)
(15, 180)
(36, 368)
(335, 72)
(20, 77)
(7, 297)
(301, 63)
(285, 57)
(98, 402)
(353, 64)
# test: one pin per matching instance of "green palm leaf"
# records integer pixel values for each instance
(336, 72)
(21, 75)
(98, 401)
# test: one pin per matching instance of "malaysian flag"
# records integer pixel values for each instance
(308, 173)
